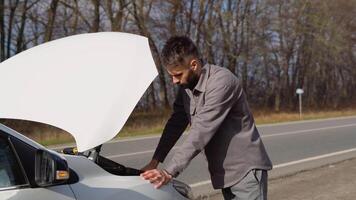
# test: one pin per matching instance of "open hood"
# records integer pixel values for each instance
(85, 84)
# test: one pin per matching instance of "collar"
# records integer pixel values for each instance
(203, 79)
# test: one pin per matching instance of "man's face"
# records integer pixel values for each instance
(186, 76)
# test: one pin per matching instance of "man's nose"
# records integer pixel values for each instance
(175, 80)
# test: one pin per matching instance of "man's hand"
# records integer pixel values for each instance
(151, 165)
(157, 177)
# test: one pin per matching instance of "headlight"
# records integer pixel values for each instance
(183, 189)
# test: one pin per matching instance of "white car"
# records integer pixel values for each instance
(30, 171)
(87, 85)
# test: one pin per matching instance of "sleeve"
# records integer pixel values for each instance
(173, 129)
(219, 100)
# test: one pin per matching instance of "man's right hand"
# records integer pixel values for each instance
(151, 165)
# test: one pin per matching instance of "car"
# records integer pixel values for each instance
(80, 84)
(30, 171)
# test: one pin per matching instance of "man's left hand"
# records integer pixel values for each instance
(157, 177)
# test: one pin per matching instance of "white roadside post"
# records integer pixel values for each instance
(300, 92)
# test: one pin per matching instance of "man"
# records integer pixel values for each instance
(211, 99)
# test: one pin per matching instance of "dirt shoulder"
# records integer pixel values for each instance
(331, 182)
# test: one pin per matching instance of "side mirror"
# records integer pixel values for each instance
(50, 168)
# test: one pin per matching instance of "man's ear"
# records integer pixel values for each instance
(194, 64)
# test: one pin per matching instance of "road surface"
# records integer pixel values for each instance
(293, 147)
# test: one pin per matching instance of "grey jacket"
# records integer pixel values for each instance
(221, 125)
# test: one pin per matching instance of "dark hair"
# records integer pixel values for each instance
(177, 50)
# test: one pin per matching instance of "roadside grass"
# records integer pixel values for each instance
(152, 123)
(263, 117)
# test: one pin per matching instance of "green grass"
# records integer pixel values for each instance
(268, 118)
(150, 123)
(54, 141)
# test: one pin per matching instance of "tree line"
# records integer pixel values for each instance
(273, 46)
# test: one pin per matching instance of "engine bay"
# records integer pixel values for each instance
(105, 163)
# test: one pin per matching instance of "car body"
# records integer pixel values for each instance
(87, 180)
(82, 84)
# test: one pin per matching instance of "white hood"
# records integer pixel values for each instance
(85, 84)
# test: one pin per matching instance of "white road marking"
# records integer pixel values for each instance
(287, 164)
(119, 140)
(134, 153)
(314, 158)
(263, 136)
(128, 139)
(258, 126)
(306, 121)
(200, 183)
(130, 154)
(306, 131)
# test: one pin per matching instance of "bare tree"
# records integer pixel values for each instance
(117, 15)
(273, 46)
(13, 6)
(96, 20)
(2, 31)
(20, 35)
(52, 12)
(140, 15)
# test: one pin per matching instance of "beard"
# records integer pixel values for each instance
(192, 81)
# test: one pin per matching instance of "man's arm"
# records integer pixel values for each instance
(219, 99)
(173, 129)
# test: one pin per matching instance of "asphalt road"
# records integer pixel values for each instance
(292, 147)
(330, 182)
